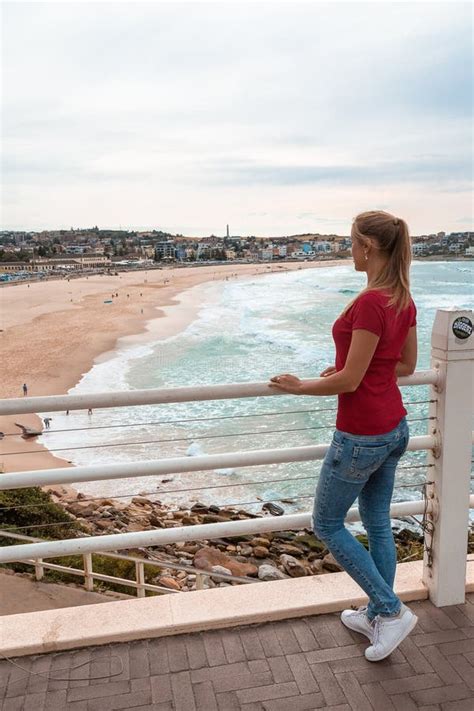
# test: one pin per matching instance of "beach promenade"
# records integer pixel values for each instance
(302, 664)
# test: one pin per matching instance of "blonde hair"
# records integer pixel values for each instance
(392, 238)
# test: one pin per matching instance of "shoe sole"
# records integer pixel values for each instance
(355, 629)
(412, 626)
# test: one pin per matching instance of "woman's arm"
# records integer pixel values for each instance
(407, 364)
(347, 380)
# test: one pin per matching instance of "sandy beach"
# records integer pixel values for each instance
(53, 332)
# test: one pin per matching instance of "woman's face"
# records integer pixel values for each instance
(358, 255)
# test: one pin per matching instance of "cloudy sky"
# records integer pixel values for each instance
(276, 118)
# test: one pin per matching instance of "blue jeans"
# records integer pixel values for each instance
(362, 466)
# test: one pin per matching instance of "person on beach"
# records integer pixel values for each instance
(25, 389)
(47, 421)
(376, 342)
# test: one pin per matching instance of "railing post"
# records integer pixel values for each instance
(39, 570)
(452, 353)
(88, 577)
(140, 578)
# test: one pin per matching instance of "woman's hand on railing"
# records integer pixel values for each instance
(286, 382)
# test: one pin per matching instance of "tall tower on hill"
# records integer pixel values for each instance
(228, 232)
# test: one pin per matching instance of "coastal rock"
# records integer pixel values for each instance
(141, 501)
(269, 572)
(311, 541)
(81, 508)
(190, 548)
(317, 566)
(207, 557)
(213, 518)
(260, 541)
(288, 549)
(331, 564)
(137, 526)
(246, 551)
(199, 508)
(167, 582)
(292, 566)
(105, 524)
(221, 570)
(156, 521)
(190, 520)
(261, 552)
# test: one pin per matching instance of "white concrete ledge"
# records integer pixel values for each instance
(125, 620)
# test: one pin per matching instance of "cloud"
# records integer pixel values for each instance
(207, 99)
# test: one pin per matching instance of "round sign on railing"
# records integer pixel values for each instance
(462, 327)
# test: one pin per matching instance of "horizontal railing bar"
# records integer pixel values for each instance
(55, 403)
(143, 539)
(130, 583)
(177, 465)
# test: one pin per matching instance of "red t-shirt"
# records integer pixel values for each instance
(376, 406)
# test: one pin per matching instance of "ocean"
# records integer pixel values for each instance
(246, 331)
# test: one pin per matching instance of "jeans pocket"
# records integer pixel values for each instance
(402, 445)
(366, 460)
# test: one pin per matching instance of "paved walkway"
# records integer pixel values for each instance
(294, 665)
(23, 594)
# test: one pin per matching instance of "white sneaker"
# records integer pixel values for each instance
(358, 621)
(389, 632)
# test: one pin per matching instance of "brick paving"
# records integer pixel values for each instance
(294, 665)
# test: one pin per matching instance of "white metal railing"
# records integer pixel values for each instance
(160, 467)
(228, 391)
(448, 445)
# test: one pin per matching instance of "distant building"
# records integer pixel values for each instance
(165, 250)
(279, 251)
(418, 248)
(323, 246)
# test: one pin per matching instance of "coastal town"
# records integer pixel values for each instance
(61, 252)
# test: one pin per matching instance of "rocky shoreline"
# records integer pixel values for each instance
(264, 557)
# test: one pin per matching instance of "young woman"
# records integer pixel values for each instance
(375, 339)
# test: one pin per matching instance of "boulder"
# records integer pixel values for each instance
(167, 582)
(141, 501)
(82, 508)
(259, 541)
(207, 557)
(269, 572)
(261, 552)
(288, 549)
(105, 524)
(292, 566)
(310, 540)
(331, 564)
(214, 518)
(317, 566)
(221, 570)
(246, 550)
